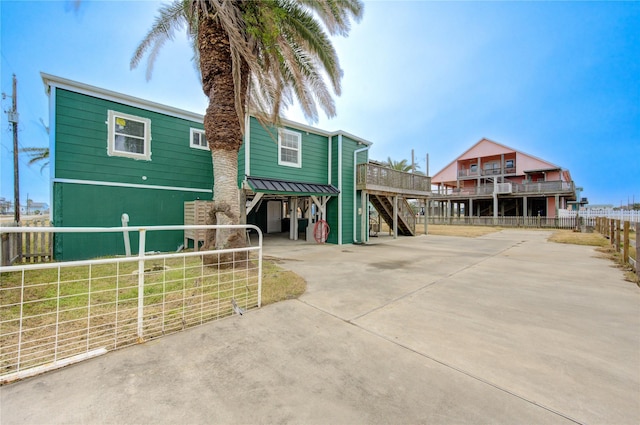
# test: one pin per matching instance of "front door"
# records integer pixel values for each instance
(274, 217)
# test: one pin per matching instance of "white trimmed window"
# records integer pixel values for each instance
(198, 140)
(289, 148)
(129, 136)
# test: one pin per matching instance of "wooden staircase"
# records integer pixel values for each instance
(406, 218)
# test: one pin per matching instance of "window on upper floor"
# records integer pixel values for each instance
(491, 165)
(491, 168)
(289, 148)
(473, 168)
(197, 139)
(509, 163)
(129, 136)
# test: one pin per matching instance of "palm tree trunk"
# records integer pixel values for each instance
(222, 128)
(226, 196)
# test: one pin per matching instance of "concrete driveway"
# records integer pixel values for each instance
(505, 328)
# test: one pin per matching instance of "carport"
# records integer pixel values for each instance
(270, 201)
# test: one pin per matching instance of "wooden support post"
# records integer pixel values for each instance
(395, 217)
(292, 217)
(625, 244)
(427, 215)
(611, 232)
(617, 235)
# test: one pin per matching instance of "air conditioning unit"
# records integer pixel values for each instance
(503, 188)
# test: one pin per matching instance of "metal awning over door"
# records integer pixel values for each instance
(290, 188)
(316, 193)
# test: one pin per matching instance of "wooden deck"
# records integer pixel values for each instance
(386, 181)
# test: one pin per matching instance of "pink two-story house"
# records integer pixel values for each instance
(491, 179)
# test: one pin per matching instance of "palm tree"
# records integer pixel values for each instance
(403, 165)
(37, 155)
(253, 55)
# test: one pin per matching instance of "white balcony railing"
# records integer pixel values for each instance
(487, 172)
(549, 187)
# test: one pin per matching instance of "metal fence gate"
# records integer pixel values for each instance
(53, 314)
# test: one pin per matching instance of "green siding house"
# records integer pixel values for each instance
(114, 154)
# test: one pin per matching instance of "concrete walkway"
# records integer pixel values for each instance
(505, 328)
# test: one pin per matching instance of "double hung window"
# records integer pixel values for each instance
(289, 148)
(198, 140)
(129, 136)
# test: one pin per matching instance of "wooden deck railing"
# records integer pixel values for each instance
(408, 215)
(378, 178)
(623, 236)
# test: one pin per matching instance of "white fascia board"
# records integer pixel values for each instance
(352, 137)
(247, 146)
(74, 86)
(131, 185)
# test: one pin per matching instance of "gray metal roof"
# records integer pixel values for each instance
(265, 185)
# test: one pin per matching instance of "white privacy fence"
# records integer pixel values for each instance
(623, 215)
(513, 221)
(566, 219)
(53, 314)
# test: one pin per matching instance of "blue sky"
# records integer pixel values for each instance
(558, 80)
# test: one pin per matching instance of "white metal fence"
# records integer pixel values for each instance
(53, 314)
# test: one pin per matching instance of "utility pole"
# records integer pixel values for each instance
(413, 162)
(427, 167)
(13, 119)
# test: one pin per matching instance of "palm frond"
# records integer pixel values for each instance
(279, 49)
(37, 155)
(171, 18)
(402, 165)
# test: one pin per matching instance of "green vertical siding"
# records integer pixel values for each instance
(80, 205)
(347, 189)
(241, 163)
(332, 205)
